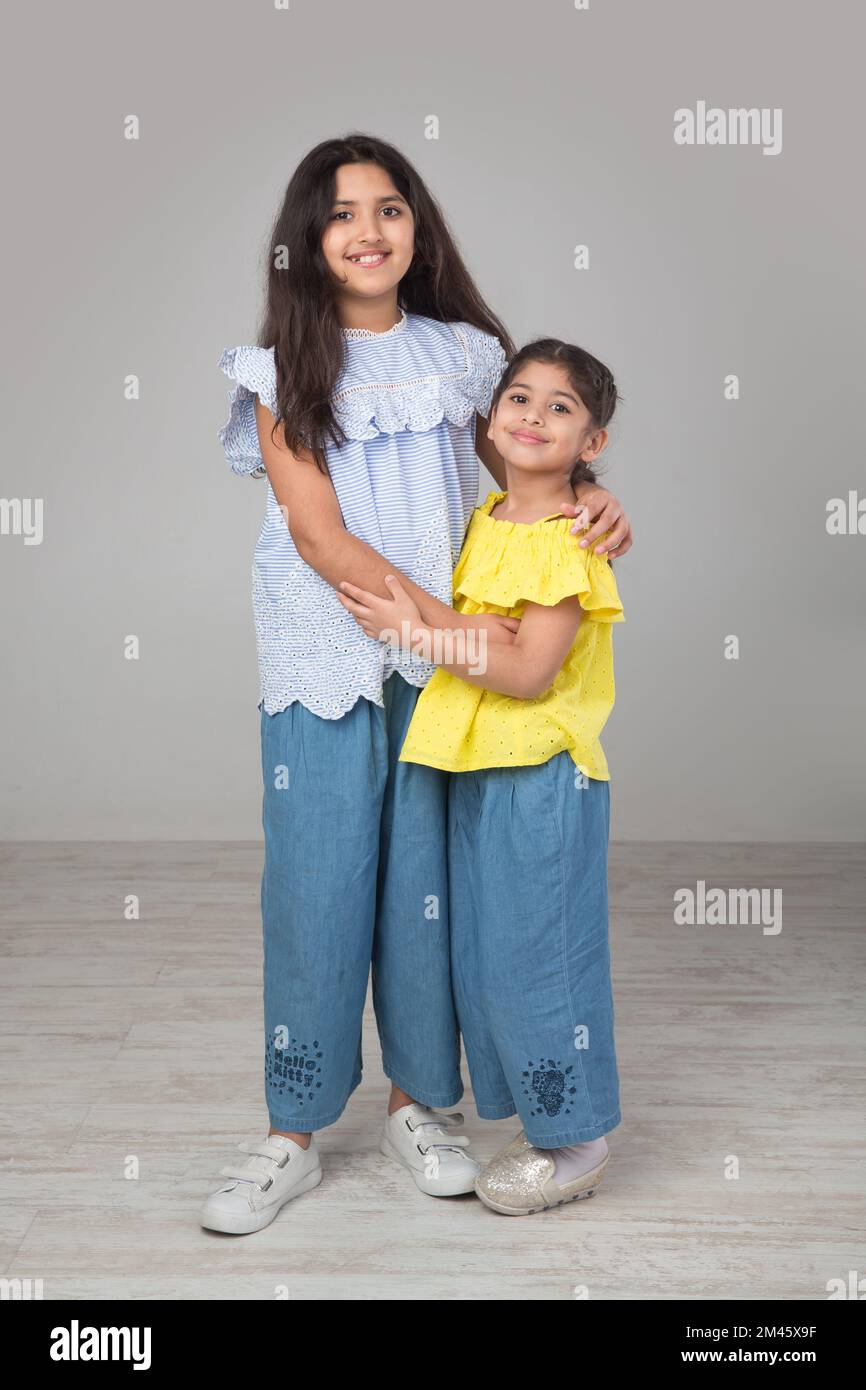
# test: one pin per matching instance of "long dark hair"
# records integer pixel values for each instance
(591, 379)
(300, 320)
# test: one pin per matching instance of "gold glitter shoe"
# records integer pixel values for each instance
(520, 1180)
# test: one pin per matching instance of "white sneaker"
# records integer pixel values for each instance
(278, 1170)
(415, 1136)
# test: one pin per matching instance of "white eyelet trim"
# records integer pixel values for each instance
(369, 333)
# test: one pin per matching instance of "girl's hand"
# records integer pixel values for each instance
(601, 511)
(377, 615)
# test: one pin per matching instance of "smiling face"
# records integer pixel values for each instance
(540, 423)
(370, 237)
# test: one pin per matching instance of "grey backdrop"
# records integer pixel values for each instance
(555, 129)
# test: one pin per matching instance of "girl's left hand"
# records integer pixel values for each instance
(377, 615)
(605, 512)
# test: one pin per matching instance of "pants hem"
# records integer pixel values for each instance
(575, 1136)
(306, 1124)
(424, 1096)
(495, 1112)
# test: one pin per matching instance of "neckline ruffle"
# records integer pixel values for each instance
(492, 498)
(453, 392)
(509, 563)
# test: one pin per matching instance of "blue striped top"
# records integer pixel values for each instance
(406, 478)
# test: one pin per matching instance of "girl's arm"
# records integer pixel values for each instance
(523, 669)
(311, 511)
(601, 507)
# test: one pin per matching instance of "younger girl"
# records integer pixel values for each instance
(528, 813)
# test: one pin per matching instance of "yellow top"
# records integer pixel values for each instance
(504, 565)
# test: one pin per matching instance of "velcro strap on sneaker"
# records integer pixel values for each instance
(263, 1149)
(240, 1174)
(435, 1118)
(454, 1141)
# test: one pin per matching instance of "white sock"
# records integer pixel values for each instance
(576, 1159)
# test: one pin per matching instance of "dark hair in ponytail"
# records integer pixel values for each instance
(591, 379)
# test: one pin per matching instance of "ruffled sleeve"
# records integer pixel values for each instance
(486, 363)
(253, 371)
(507, 565)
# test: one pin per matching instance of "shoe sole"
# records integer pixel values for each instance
(594, 1181)
(456, 1188)
(240, 1225)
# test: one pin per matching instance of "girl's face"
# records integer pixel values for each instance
(370, 237)
(540, 423)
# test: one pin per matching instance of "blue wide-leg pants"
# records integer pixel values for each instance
(530, 958)
(355, 875)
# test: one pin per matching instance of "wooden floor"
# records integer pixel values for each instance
(141, 1039)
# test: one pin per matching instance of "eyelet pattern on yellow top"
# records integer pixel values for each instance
(504, 565)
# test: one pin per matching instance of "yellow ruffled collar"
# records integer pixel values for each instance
(485, 508)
